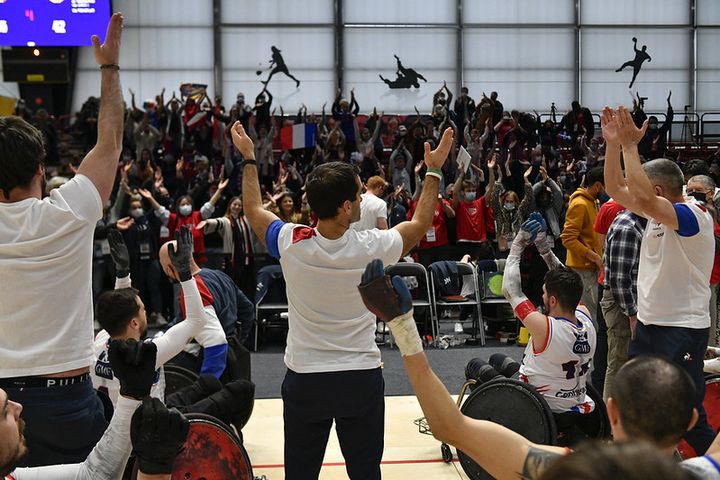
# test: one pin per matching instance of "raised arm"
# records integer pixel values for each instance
(416, 228)
(536, 323)
(100, 164)
(502, 452)
(259, 218)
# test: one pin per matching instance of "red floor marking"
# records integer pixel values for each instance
(342, 464)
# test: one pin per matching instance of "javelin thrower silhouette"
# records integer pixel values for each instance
(636, 63)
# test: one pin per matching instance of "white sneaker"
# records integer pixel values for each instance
(712, 366)
(459, 328)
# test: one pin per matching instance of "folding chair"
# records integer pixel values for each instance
(422, 291)
(270, 296)
(464, 269)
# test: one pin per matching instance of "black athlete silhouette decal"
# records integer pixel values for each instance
(406, 77)
(636, 63)
(277, 64)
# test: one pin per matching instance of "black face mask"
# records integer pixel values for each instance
(699, 196)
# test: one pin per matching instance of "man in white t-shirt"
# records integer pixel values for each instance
(373, 209)
(333, 363)
(676, 258)
(46, 250)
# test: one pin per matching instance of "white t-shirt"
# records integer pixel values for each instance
(330, 329)
(704, 467)
(559, 369)
(371, 208)
(674, 271)
(46, 310)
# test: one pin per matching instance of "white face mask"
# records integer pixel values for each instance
(185, 210)
(137, 212)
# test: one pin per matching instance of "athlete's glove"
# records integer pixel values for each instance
(541, 240)
(205, 386)
(157, 435)
(133, 363)
(181, 255)
(391, 302)
(119, 253)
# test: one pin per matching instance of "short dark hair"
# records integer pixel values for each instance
(696, 167)
(115, 308)
(565, 285)
(329, 186)
(595, 460)
(595, 175)
(655, 398)
(21, 153)
(666, 173)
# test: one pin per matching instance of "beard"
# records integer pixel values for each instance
(20, 453)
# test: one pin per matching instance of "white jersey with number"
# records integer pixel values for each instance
(559, 369)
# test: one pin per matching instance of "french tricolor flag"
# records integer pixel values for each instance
(301, 135)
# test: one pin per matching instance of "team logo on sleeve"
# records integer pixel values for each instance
(102, 366)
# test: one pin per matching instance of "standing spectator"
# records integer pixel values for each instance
(146, 137)
(654, 142)
(47, 339)
(619, 300)
(238, 245)
(584, 254)
(373, 209)
(434, 245)
(578, 121)
(676, 259)
(344, 113)
(509, 211)
(607, 213)
(400, 162)
(549, 202)
(263, 104)
(471, 213)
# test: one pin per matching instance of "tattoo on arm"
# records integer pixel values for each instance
(536, 462)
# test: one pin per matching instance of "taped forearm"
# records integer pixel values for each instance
(123, 282)
(512, 286)
(406, 334)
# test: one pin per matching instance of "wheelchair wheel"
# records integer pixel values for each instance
(177, 377)
(512, 404)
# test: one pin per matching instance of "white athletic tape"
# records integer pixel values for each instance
(406, 334)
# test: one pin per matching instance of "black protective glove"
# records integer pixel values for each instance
(233, 404)
(205, 386)
(385, 297)
(119, 253)
(181, 256)
(157, 435)
(133, 363)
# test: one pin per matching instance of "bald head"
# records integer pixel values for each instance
(166, 264)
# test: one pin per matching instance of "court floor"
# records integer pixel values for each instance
(408, 453)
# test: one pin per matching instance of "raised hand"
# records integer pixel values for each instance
(157, 434)
(125, 223)
(119, 253)
(223, 184)
(133, 363)
(242, 141)
(201, 225)
(145, 193)
(181, 255)
(628, 133)
(492, 162)
(437, 157)
(109, 52)
(543, 172)
(610, 127)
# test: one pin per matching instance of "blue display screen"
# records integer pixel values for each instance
(52, 23)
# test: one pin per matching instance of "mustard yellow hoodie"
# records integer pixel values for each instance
(578, 235)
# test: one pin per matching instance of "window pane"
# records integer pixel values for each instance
(400, 11)
(518, 11)
(605, 50)
(708, 12)
(277, 11)
(635, 12)
(165, 12)
(369, 54)
(533, 68)
(307, 53)
(708, 71)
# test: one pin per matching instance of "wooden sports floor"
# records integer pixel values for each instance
(408, 453)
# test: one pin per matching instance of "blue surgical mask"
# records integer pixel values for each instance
(470, 196)
(509, 207)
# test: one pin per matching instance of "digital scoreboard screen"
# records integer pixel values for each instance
(50, 23)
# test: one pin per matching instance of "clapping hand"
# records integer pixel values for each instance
(242, 141)
(119, 253)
